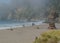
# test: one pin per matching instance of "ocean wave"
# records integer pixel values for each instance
(15, 25)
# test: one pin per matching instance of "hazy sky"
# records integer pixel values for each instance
(5, 5)
(22, 2)
(5, 1)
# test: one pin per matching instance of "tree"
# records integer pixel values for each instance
(52, 16)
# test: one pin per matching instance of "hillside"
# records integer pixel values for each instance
(28, 11)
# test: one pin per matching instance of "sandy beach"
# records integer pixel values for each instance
(23, 34)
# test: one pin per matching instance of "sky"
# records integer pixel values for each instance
(6, 5)
(23, 2)
(37, 2)
(5, 1)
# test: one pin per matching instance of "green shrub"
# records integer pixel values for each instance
(52, 36)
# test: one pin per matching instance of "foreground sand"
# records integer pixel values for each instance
(23, 35)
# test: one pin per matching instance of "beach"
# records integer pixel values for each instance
(23, 34)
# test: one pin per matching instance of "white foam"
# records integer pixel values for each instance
(9, 26)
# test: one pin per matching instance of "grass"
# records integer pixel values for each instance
(52, 36)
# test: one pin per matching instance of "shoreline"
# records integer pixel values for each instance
(23, 34)
(21, 26)
(9, 26)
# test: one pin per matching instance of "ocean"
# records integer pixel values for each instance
(12, 24)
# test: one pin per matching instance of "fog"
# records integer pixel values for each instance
(6, 6)
(10, 4)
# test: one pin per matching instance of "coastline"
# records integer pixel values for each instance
(23, 34)
(16, 25)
